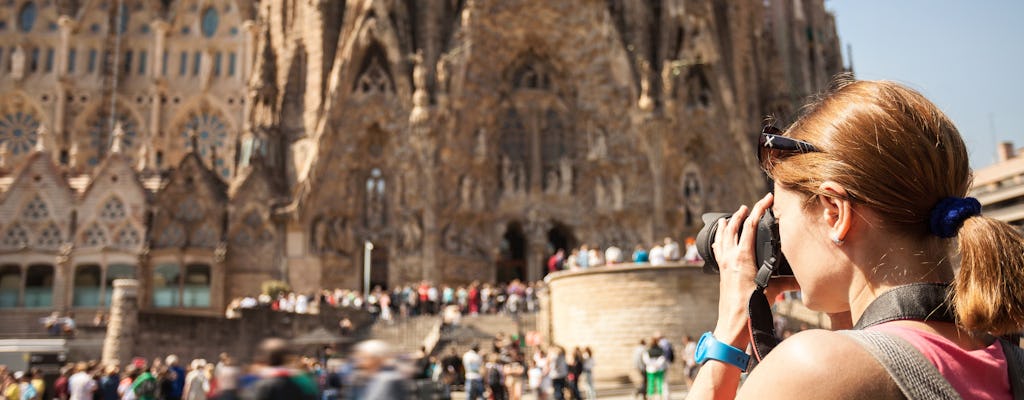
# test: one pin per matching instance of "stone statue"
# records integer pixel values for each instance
(551, 182)
(18, 63)
(412, 235)
(339, 236)
(115, 146)
(3, 155)
(480, 149)
(508, 177)
(420, 98)
(645, 103)
(466, 192)
(318, 235)
(565, 172)
(599, 194)
(478, 197)
(598, 145)
(617, 193)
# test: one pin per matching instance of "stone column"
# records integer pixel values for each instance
(160, 28)
(119, 344)
(63, 276)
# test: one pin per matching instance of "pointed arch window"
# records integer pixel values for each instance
(100, 138)
(128, 237)
(94, 236)
(35, 210)
(15, 237)
(211, 19)
(204, 236)
(113, 210)
(189, 210)
(50, 237)
(27, 17)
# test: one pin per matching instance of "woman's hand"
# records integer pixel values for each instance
(734, 251)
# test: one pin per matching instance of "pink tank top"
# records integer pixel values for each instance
(977, 374)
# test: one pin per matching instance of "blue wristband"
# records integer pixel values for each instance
(709, 348)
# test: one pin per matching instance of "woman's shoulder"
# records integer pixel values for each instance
(798, 366)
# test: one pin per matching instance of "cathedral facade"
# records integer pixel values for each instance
(206, 146)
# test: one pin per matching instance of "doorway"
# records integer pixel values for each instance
(379, 267)
(512, 259)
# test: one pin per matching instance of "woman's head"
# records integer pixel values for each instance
(891, 154)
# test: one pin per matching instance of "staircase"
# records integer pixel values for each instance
(405, 335)
(23, 324)
(481, 330)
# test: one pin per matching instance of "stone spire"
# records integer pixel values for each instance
(41, 138)
(118, 137)
(73, 156)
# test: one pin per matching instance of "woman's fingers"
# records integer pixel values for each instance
(749, 234)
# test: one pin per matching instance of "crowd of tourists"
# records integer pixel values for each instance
(510, 368)
(423, 298)
(652, 359)
(587, 256)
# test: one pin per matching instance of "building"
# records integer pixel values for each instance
(1000, 187)
(206, 146)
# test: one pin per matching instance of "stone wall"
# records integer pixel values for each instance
(191, 336)
(611, 308)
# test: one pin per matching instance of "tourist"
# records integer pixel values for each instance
(690, 366)
(197, 383)
(176, 374)
(656, 255)
(640, 254)
(494, 378)
(670, 250)
(588, 373)
(612, 255)
(38, 382)
(869, 187)
(692, 255)
(276, 379)
(655, 364)
(81, 385)
(514, 372)
(374, 360)
(583, 257)
(473, 364)
(109, 383)
(575, 365)
(555, 261)
(638, 364)
(558, 371)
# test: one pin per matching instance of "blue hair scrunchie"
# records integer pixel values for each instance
(949, 214)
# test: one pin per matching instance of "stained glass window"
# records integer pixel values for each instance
(92, 60)
(18, 130)
(128, 237)
(27, 17)
(171, 236)
(94, 236)
(16, 236)
(113, 209)
(35, 210)
(100, 135)
(212, 132)
(210, 21)
(50, 237)
(142, 62)
(189, 210)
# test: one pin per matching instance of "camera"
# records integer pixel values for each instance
(767, 246)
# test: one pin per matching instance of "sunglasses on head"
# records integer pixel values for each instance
(772, 145)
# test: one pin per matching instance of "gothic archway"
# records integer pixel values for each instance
(511, 262)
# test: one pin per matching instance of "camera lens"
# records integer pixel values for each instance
(706, 237)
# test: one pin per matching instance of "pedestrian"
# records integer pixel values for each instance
(473, 363)
(655, 364)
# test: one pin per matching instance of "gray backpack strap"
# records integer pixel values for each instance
(917, 377)
(1015, 367)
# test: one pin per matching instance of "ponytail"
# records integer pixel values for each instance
(988, 291)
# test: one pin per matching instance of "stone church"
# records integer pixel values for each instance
(206, 146)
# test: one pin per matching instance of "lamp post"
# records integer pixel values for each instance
(367, 248)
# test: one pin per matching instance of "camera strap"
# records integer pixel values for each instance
(760, 321)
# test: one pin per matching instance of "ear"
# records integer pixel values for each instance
(837, 210)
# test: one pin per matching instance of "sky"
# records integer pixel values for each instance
(965, 56)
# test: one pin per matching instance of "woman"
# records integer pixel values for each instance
(588, 372)
(869, 197)
(197, 382)
(655, 364)
(514, 371)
